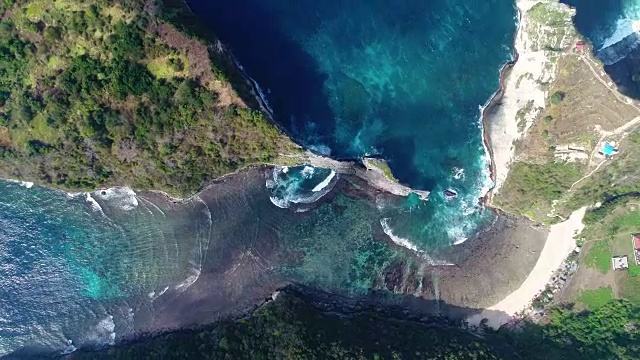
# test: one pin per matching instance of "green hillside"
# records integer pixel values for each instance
(107, 92)
(291, 328)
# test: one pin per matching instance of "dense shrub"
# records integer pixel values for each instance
(557, 97)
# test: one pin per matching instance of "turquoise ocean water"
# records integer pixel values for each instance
(403, 80)
(90, 269)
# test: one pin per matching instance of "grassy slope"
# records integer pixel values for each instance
(537, 179)
(101, 93)
(612, 236)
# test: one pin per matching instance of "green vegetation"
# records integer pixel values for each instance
(92, 95)
(531, 188)
(557, 97)
(380, 165)
(594, 299)
(610, 236)
(550, 27)
(615, 184)
(291, 328)
(599, 256)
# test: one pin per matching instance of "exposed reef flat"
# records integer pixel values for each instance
(249, 249)
(374, 176)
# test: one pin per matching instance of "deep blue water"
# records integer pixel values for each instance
(403, 80)
(609, 26)
(400, 79)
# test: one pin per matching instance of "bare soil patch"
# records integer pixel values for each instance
(586, 105)
(199, 62)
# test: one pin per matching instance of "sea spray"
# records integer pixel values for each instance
(408, 245)
(299, 185)
(123, 197)
(80, 259)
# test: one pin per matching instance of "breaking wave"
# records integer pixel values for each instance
(122, 197)
(27, 184)
(613, 29)
(408, 245)
(299, 185)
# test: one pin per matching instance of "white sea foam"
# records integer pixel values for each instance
(307, 172)
(153, 295)
(292, 198)
(396, 239)
(73, 195)
(264, 103)
(409, 245)
(94, 204)
(27, 184)
(457, 233)
(105, 331)
(163, 291)
(145, 201)
(263, 97)
(325, 182)
(122, 197)
(287, 191)
(624, 28)
(460, 241)
(195, 274)
(69, 349)
(458, 173)
(281, 203)
(321, 149)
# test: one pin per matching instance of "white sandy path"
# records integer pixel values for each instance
(560, 243)
(521, 86)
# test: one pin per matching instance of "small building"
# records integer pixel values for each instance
(635, 240)
(608, 149)
(620, 262)
(580, 46)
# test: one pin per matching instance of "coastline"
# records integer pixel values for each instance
(560, 243)
(501, 129)
(521, 96)
(493, 101)
(379, 181)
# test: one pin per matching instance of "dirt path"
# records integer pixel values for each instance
(615, 92)
(604, 134)
(586, 176)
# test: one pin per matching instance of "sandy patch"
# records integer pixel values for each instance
(523, 95)
(560, 243)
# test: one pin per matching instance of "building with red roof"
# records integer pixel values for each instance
(635, 239)
(580, 46)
